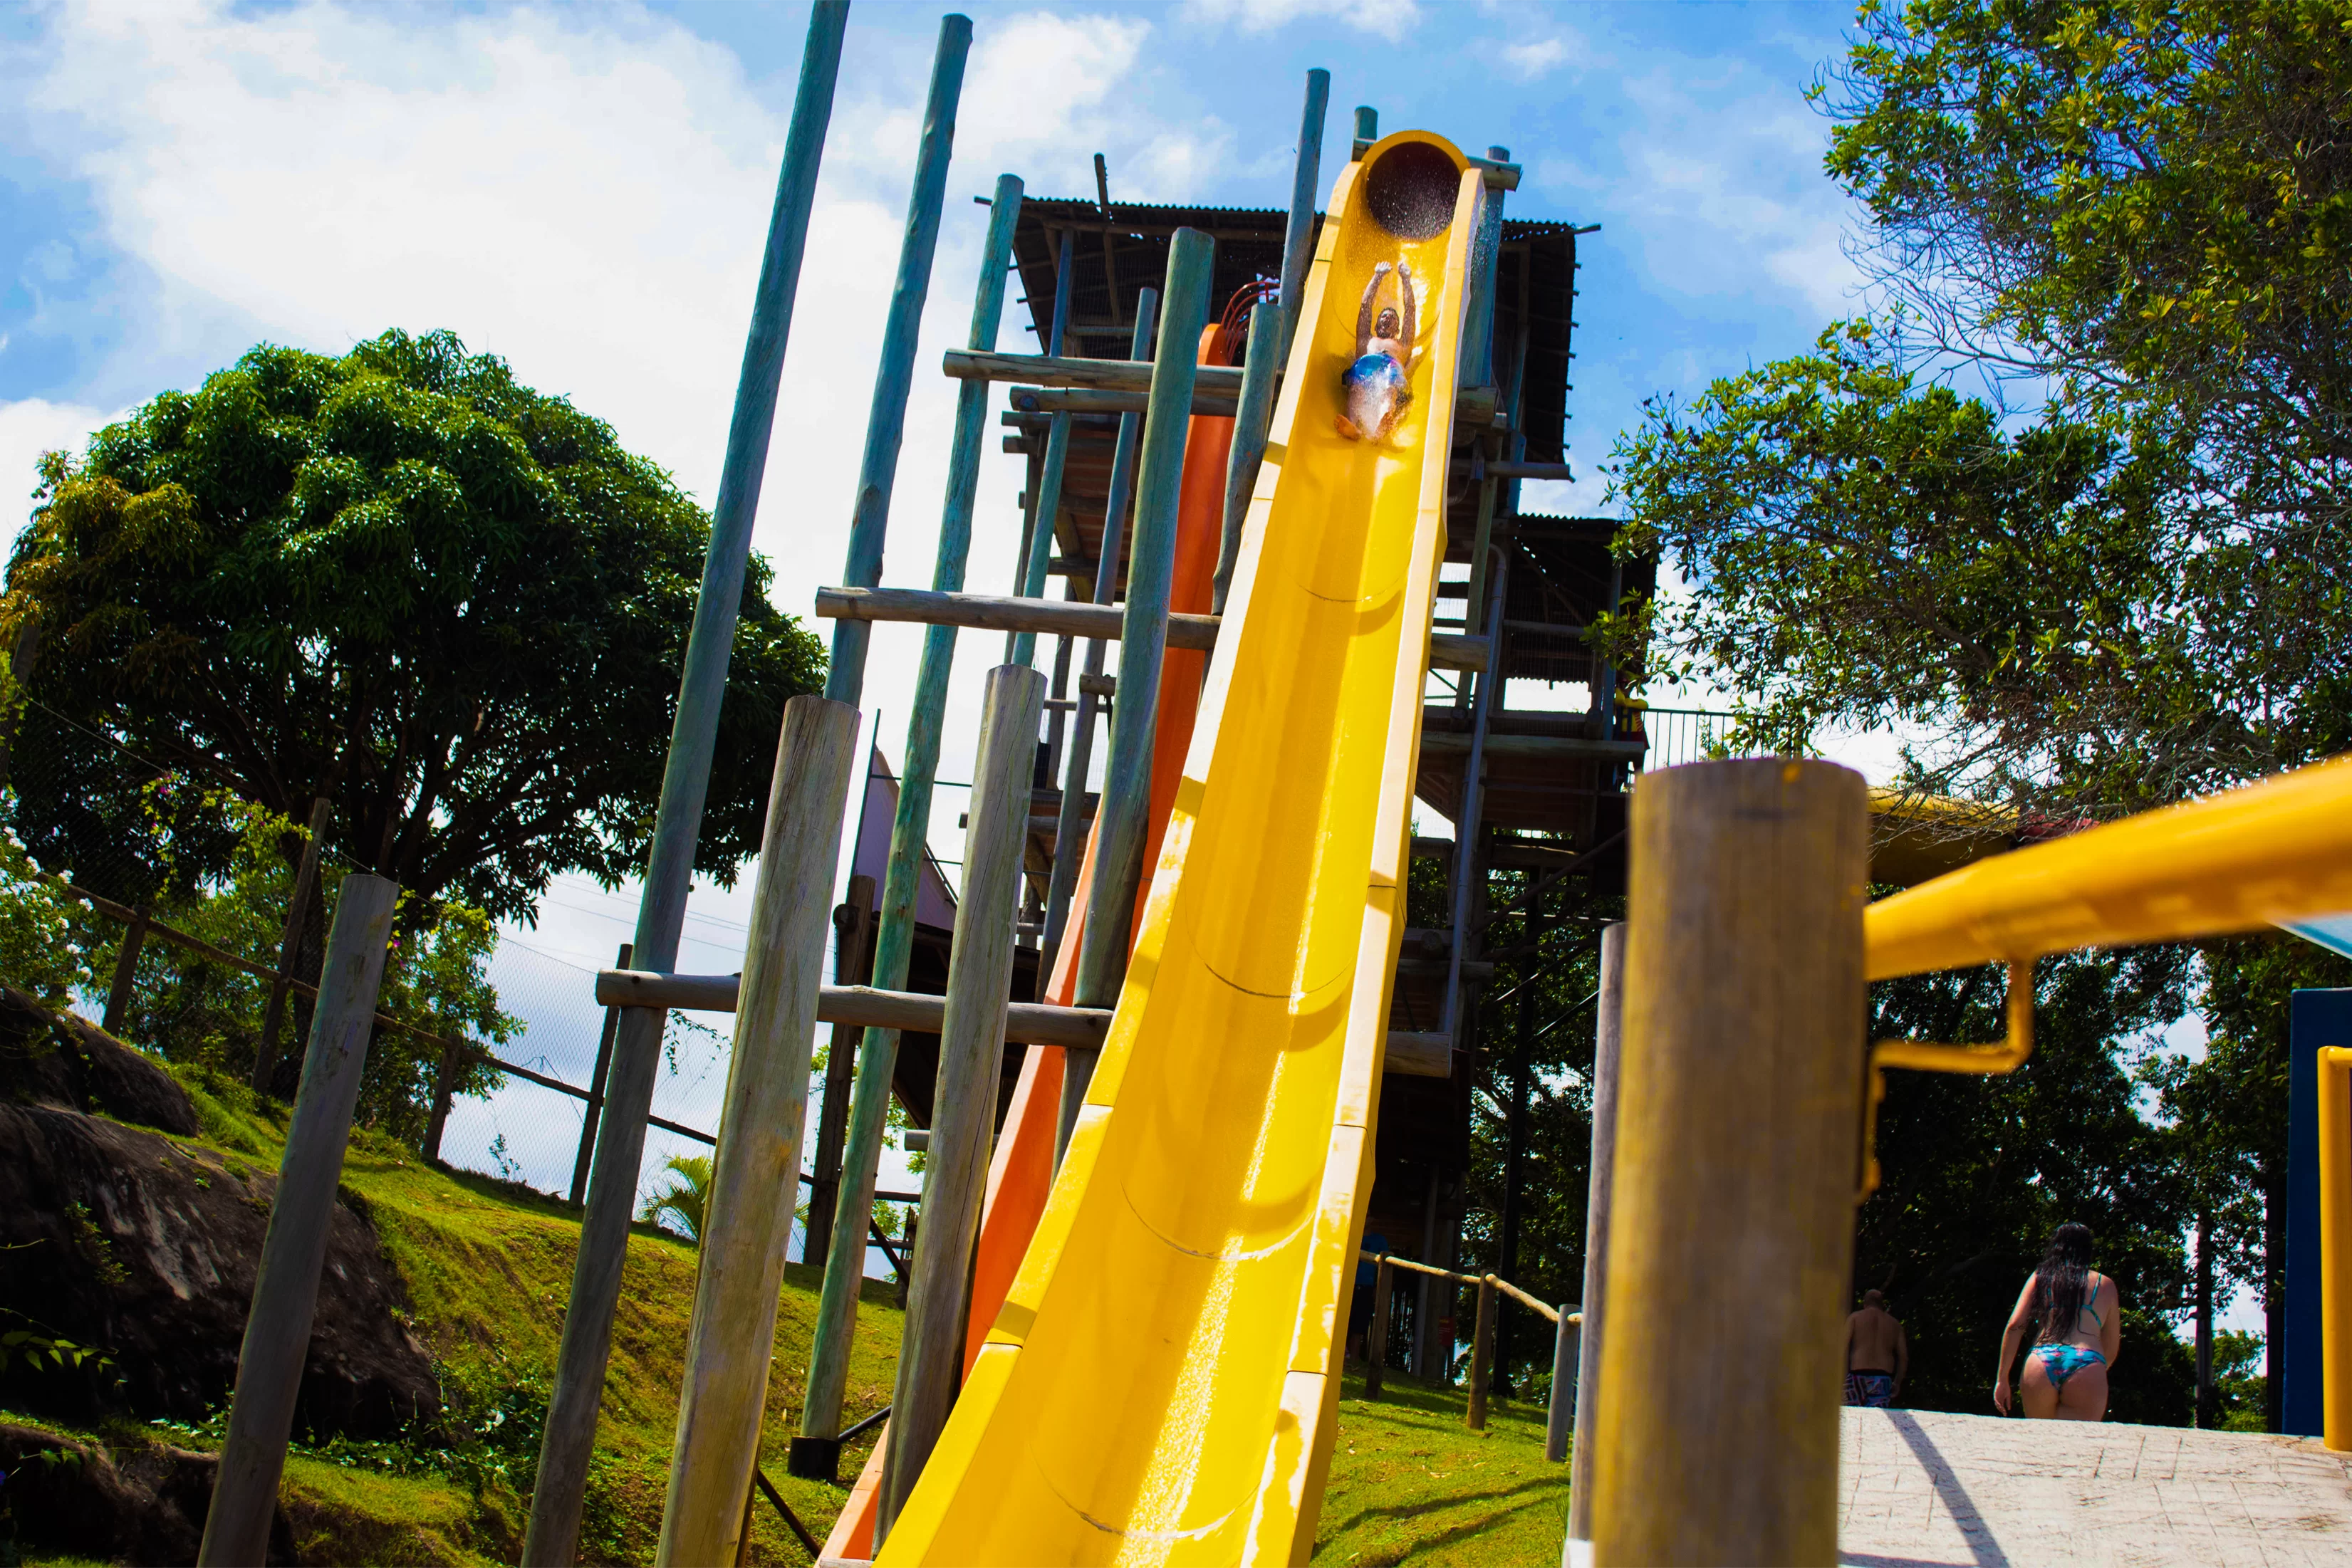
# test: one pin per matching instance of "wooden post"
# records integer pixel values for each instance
(1376, 1337)
(595, 1102)
(894, 941)
(285, 1287)
(755, 1173)
(1037, 544)
(886, 421)
(1515, 1146)
(1127, 783)
(1297, 239)
(1250, 418)
(850, 923)
(446, 1073)
(905, 1259)
(1739, 1108)
(1559, 1411)
(1068, 831)
(1482, 1353)
(126, 972)
(1368, 124)
(551, 1538)
(971, 1054)
(2334, 1069)
(1607, 1035)
(290, 942)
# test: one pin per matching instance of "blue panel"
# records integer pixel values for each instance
(2320, 1018)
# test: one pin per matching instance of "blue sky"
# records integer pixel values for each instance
(585, 190)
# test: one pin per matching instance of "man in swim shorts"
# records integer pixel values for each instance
(1877, 1354)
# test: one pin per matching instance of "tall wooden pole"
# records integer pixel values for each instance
(285, 1287)
(894, 942)
(1037, 544)
(1298, 232)
(885, 422)
(290, 943)
(1609, 1012)
(971, 1052)
(851, 922)
(1260, 367)
(554, 1533)
(1738, 1120)
(1143, 638)
(1069, 833)
(755, 1171)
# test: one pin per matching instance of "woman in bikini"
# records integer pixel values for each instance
(2077, 1315)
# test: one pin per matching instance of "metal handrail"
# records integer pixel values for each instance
(2270, 853)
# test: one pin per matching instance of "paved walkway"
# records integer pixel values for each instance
(1925, 1490)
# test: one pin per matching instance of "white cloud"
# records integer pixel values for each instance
(30, 427)
(586, 193)
(1529, 61)
(1389, 18)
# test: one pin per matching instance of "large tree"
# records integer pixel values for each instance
(2069, 505)
(2115, 576)
(400, 579)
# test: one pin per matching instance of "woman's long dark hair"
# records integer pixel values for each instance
(2062, 1284)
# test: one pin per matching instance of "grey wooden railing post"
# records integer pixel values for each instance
(971, 1052)
(286, 1289)
(755, 1173)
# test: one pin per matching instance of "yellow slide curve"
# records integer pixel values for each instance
(1160, 1384)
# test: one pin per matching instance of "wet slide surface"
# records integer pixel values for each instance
(1160, 1384)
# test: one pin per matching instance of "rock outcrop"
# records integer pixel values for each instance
(128, 1241)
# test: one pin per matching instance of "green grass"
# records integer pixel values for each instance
(1410, 1483)
(487, 1266)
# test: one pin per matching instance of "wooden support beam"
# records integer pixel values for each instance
(1070, 401)
(1069, 618)
(1101, 375)
(1376, 1335)
(1473, 407)
(294, 1249)
(1737, 1161)
(748, 1219)
(971, 1055)
(907, 1011)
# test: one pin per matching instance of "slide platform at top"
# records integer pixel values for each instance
(1160, 1384)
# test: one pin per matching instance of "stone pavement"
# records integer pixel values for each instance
(1926, 1490)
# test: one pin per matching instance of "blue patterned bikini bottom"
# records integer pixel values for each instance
(2061, 1362)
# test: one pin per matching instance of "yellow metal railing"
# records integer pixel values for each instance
(2271, 853)
(2336, 1247)
(2275, 852)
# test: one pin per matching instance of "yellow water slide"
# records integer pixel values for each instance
(1160, 1384)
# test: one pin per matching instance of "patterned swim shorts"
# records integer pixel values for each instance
(1874, 1389)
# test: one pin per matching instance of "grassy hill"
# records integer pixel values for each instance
(488, 1268)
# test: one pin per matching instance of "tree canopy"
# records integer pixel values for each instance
(400, 579)
(2115, 576)
(2065, 506)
